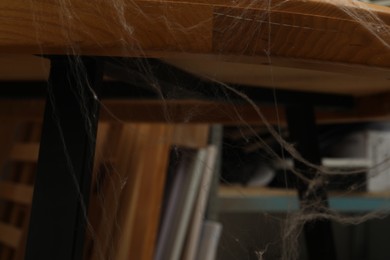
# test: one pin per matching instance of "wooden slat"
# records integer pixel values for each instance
(26, 152)
(7, 139)
(23, 67)
(20, 216)
(17, 190)
(10, 235)
(7, 136)
(367, 109)
(18, 193)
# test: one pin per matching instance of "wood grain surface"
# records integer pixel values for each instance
(311, 30)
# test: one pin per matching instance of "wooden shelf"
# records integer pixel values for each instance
(245, 199)
(335, 163)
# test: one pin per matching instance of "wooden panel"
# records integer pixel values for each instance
(26, 152)
(10, 235)
(23, 67)
(19, 193)
(102, 27)
(142, 197)
(191, 135)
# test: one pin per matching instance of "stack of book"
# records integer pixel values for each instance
(184, 232)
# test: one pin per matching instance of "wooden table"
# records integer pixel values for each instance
(311, 46)
(298, 45)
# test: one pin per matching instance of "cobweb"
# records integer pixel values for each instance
(199, 55)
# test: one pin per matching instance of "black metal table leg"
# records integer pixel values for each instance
(303, 133)
(58, 216)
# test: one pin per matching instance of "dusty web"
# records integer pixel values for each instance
(194, 62)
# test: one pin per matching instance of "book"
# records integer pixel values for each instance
(181, 200)
(211, 232)
(198, 213)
